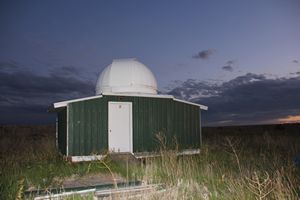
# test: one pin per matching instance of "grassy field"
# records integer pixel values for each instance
(234, 163)
(29, 160)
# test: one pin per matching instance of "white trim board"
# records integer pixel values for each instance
(86, 158)
(136, 155)
(202, 107)
(157, 154)
(64, 103)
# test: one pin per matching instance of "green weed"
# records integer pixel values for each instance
(233, 167)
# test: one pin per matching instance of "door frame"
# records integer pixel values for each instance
(130, 123)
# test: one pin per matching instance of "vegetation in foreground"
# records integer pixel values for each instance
(31, 163)
(229, 167)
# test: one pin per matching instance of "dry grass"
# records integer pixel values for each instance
(232, 167)
(229, 169)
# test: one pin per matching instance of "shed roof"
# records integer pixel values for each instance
(65, 103)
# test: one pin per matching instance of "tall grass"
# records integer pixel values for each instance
(233, 167)
(230, 168)
(27, 163)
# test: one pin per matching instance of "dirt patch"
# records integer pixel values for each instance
(91, 180)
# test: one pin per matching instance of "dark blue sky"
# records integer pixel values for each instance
(54, 50)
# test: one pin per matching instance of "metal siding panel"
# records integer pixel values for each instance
(84, 123)
(197, 124)
(96, 126)
(179, 123)
(155, 124)
(139, 141)
(150, 115)
(142, 145)
(152, 119)
(190, 134)
(193, 127)
(91, 128)
(184, 134)
(156, 117)
(147, 142)
(93, 124)
(200, 127)
(149, 121)
(135, 131)
(97, 131)
(71, 128)
(170, 119)
(151, 134)
(84, 134)
(165, 122)
(139, 124)
(186, 125)
(88, 127)
(62, 130)
(89, 121)
(71, 132)
(81, 136)
(143, 121)
(183, 124)
(101, 125)
(104, 129)
(76, 129)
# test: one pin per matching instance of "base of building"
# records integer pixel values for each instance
(138, 155)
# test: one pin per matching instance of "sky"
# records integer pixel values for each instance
(240, 58)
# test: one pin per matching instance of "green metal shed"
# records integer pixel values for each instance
(126, 115)
(88, 128)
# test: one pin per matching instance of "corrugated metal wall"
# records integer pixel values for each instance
(88, 127)
(88, 124)
(62, 130)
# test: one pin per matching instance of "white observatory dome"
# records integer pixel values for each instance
(126, 76)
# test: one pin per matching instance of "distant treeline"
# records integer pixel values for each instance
(272, 130)
(32, 131)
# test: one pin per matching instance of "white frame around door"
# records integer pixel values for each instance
(130, 124)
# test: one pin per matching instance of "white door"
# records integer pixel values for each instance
(120, 126)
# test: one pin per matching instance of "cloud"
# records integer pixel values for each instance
(30, 84)
(204, 54)
(247, 99)
(228, 66)
(230, 62)
(290, 119)
(295, 73)
(25, 93)
(65, 70)
(9, 65)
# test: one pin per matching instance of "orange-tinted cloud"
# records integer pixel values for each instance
(290, 119)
